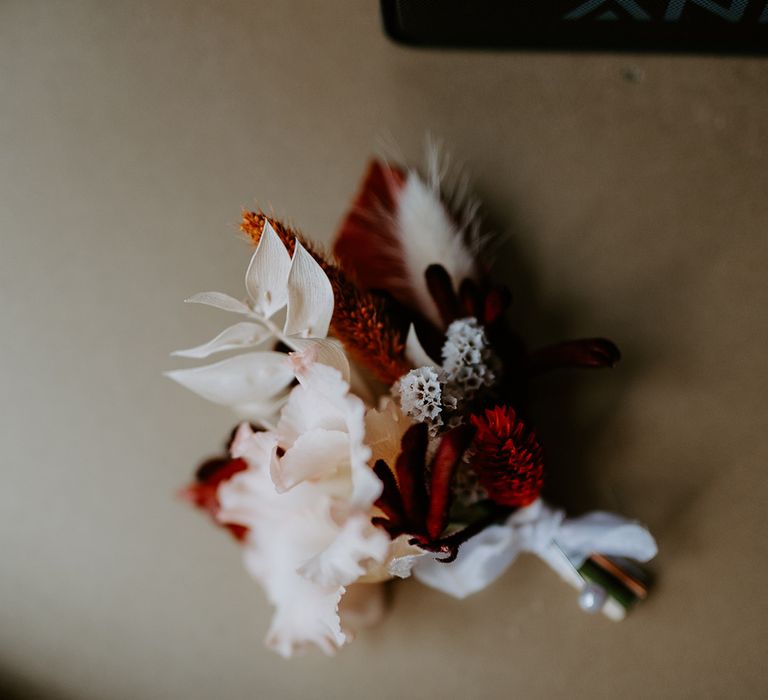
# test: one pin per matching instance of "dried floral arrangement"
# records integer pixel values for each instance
(384, 431)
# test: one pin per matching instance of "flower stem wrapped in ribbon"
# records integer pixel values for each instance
(382, 428)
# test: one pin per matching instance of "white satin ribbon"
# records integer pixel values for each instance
(564, 543)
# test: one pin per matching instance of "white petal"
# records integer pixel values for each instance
(255, 376)
(258, 448)
(323, 401)
(267, 277)
(306, 615)
(429, 235)
(316, 454)
(320, 401)
(399, 562)
(415, 353)
(366, 486)
(241, 335)
(326, 351)
(404, 557)
(310, 297)
(265, 412)
(285, 531)
(219, 301)
(344, 560)
(384, 430)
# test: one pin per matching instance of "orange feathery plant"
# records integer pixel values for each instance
(362, 321)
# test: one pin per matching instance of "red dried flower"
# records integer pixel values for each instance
(509, 461)
(203, 492)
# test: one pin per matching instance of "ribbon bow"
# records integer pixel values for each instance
(563, 543)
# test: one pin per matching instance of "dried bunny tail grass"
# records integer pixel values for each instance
(362, 321)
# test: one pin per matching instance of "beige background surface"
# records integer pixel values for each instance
(632, 191)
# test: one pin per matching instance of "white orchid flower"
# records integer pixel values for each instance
(307, 498)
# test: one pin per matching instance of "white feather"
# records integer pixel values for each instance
(429, 233)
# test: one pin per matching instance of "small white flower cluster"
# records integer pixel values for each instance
(433, 395)
(467, 358)
(421, 396)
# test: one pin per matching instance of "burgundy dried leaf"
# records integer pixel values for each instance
(469, 298)
(407, 507)
(588, 352)
(440, 287)
(389, 502)
(444, 464)
(496, 303)
(409, 468)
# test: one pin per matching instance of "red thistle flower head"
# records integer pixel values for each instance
(509, 461)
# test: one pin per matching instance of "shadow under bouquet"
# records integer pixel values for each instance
(384, 431)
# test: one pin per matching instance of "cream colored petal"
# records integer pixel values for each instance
(356, 545)
(384, 430)
(316, 454)
(326, 351)
(306, 615)
(267, 277)
(219, 301)
(241, 335)
(399, 563)
(318, 402)
(238, 380)
(310, 297)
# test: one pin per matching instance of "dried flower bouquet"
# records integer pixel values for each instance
(383, 429)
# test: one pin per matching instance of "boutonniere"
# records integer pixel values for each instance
(383, 428)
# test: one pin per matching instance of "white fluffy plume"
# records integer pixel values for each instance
(435, 223)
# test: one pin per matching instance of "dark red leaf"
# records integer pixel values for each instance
(409, 468)
(452, 543)
(214, 471)
(440, 287)
(389, 502)
(469, 298)
(496, 302)
(407, 508)
(588, 352)
(392, 528)
(443, 467)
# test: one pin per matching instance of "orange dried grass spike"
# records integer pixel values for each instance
(361, 320)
